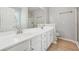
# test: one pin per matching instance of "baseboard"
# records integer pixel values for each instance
(71, 41)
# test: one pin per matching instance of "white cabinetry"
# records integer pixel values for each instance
(24, 46)
(40, 42)
(44, 41)
(51, 36)
(48, 39)
(36, 43)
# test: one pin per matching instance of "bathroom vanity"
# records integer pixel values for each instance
(15, 34)
(34, 39)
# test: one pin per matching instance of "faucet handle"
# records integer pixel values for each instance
(19, 30)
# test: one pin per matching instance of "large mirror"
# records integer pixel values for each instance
(7, 19)
(13, 18)
(37, 15)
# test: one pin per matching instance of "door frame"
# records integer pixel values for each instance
(76, 23)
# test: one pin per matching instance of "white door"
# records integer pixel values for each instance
(66, 22)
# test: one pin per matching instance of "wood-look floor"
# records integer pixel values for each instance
(63, 45)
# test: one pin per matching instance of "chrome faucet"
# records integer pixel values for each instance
(19, 30)
(42, 27)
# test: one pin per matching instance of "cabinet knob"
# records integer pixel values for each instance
(32, 48)
(24, 49)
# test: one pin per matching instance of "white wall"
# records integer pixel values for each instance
(65, 23)
(52, 14)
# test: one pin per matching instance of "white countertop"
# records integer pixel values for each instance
(8, 39)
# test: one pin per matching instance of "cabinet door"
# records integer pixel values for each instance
(48, 39)
(25, 46)
(51, 36)
(54, 35)
(36, 43)
(44, 42)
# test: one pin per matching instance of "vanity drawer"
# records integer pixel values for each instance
(24, 46)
